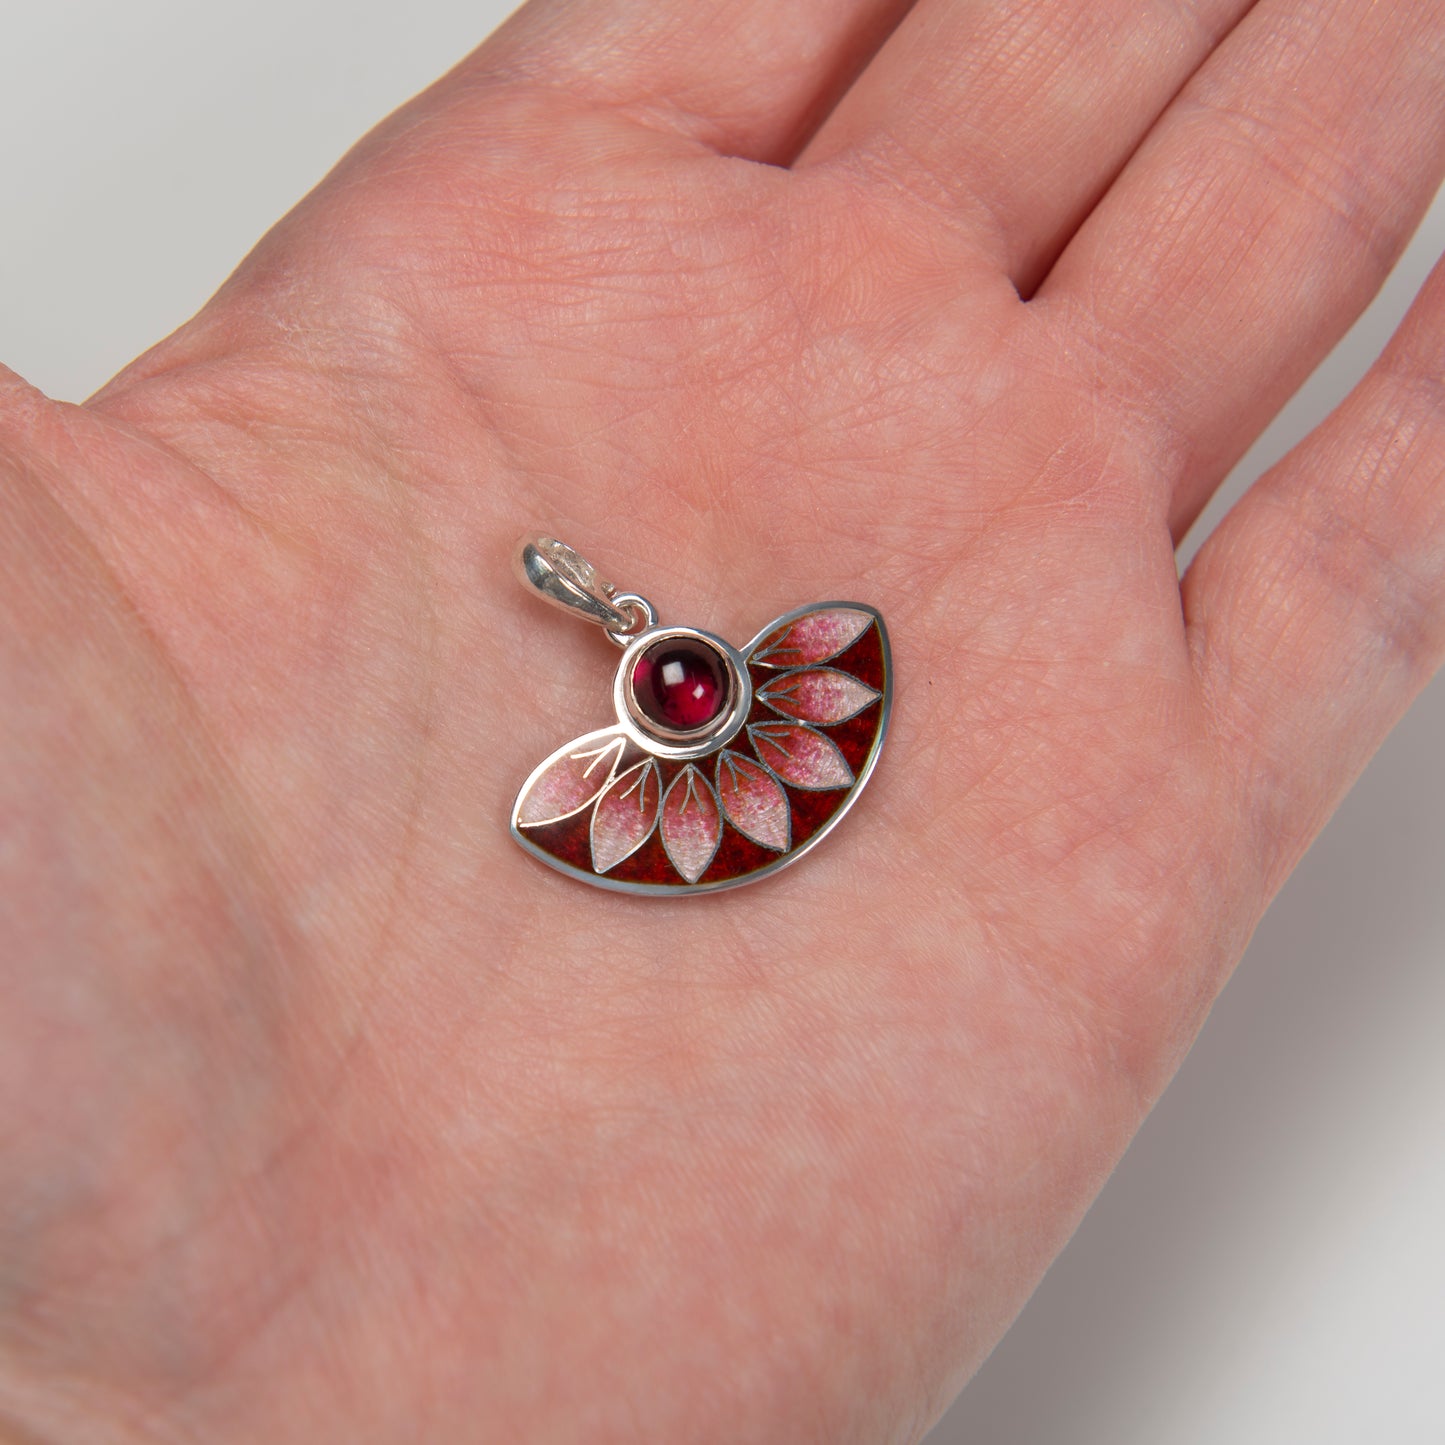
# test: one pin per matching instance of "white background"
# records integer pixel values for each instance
(1267, 1265)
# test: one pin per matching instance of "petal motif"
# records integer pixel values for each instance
(625, 815)
(753, 801)
(574, 779)
(691, 823)
(813, 637)
(801, 756)
(818, 695)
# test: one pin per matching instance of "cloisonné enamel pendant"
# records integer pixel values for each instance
(724, 765)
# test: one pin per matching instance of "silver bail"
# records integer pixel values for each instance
(566, 579)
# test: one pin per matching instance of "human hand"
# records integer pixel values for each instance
(299, 1097)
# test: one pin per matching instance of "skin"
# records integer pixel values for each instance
(327, 1114)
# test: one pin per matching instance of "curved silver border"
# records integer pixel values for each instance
(682, 890)
(728, 725)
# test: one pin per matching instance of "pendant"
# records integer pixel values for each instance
(724, 764)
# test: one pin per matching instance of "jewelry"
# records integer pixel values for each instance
(724, 765)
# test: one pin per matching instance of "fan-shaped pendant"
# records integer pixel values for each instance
(724, 765)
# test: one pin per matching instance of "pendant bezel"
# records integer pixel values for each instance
(697, 742)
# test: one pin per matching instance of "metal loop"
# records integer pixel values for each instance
(561, 576)
(641, 616)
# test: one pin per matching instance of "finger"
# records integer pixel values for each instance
(744, 77)
(1317, 609)
(1256, 223)
(1013, 117)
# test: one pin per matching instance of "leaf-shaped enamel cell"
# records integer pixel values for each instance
(813, 637)
(625, 815)
(691, 823)
(753, 801)
(820, 695)
(571, 782)
(801, 756)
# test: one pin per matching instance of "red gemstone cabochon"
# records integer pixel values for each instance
(680, 683)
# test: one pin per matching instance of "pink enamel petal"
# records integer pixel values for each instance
(753, 801)
(819, 695)
(691, 824)
(625, 815)
(813, 637)
(573, 779)
(800, 756)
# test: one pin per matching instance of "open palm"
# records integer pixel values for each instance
(327, 1113)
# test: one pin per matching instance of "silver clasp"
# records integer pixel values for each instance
(559, 575)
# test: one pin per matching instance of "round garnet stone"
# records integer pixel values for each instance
(680, 683)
